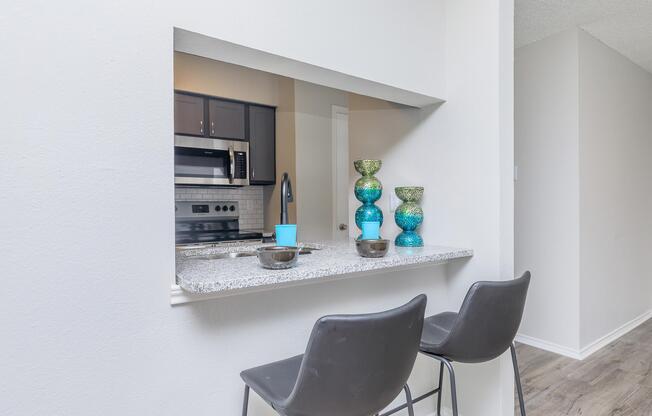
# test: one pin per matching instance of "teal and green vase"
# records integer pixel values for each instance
(368, 190)
(409, 216)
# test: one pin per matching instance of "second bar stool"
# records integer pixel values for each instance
(483, 329)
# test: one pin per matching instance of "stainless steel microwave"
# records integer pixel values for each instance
(203, 161)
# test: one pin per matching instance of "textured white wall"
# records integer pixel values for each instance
(388, 47)
(547, 189)
(87, 193)
(616, 179)
(461, 153)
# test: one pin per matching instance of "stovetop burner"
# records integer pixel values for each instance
(210, 222)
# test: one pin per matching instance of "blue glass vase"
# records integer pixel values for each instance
(409, 216)
(368, 190)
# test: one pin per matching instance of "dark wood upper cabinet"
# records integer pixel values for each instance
(227, 119)
(198, 115)
(262, 145)
(189, 115)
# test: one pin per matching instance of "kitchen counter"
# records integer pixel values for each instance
(328, 261)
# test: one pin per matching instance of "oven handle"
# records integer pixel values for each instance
(231, 164)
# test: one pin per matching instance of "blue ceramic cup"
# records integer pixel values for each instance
(370, 230)
(286, 235)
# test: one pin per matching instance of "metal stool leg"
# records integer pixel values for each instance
(245, 401)
(517, 378)
(451, 375)
(408, 400)
(441, 379)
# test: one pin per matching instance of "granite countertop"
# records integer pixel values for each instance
(329, 260)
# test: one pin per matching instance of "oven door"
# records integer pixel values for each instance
(200, 161)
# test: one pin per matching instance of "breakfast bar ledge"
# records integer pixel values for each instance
(202, 275)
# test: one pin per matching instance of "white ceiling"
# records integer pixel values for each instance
(624, 25)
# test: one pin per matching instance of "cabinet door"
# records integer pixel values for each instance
(227, 119)
(188, 114)
(262, 145)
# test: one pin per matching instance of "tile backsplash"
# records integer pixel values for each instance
(250, 200)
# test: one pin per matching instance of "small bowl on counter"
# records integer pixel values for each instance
(372, 248)
(278, 257)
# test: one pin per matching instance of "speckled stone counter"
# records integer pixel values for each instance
(333, 260)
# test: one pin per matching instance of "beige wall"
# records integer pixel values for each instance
(314, 178)
(207, 76)
(285, 156)
(381, 130)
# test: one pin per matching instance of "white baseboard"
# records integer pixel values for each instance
(582, 353)
(614, 335)
(548, 346)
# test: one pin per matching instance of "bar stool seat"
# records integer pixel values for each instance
(353, 365)
(483, 330)
(435, 330)
(274, 381)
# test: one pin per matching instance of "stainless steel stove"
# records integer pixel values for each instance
(210, 222)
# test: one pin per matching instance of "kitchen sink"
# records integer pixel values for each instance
(220, 256)
(238, 254)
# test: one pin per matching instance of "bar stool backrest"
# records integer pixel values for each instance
(488, 320)
(356, 365)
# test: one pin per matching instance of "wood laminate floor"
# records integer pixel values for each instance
(617, 380)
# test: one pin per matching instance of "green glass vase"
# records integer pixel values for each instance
(409, 216)
(367, 190)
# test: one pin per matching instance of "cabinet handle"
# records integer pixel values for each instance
(253, 172)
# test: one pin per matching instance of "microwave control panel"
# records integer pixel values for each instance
(240, 165)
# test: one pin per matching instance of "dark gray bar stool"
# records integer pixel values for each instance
(483, 329)
(354, 365)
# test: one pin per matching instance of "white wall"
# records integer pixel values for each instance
(330, 35)
(616, 189)
(583, 224)
(313, 182)
(86, 321)
(452, 149)
(547, 190)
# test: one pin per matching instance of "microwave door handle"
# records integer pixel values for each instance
(231, 164)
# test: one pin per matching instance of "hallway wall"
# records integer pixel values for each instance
(616, 189)
(546, 218)
(583, 142)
